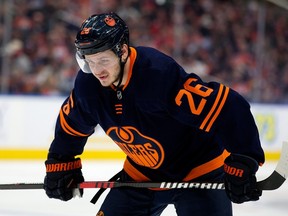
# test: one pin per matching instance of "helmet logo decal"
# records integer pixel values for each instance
(110, 21)
(85, 31)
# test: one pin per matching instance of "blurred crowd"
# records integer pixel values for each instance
(243, 44)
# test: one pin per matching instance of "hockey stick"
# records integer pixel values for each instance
(279, 175)
(274, 181)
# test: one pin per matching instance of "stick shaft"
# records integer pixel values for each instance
(17, 186)
(113, 184)
(155, 185)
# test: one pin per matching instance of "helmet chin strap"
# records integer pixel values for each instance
(118, 90)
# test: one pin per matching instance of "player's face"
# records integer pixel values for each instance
(105, 66)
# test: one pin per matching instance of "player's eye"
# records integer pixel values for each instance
(104, 62)
(91, 63)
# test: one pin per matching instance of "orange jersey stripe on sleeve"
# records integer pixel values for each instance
(69, 130)
(216, 108)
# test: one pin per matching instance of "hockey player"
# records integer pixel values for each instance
(171, 125)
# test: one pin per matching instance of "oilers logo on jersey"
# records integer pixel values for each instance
(143, 150)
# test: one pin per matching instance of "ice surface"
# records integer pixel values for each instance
(35, 202)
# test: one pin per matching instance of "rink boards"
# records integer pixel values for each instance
(27, 128)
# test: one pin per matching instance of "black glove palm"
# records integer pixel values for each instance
(62, 176)
(240, 179)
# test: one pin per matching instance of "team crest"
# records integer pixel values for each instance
(142, 149)
(110, 21)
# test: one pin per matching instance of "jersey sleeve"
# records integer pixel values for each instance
(73, 127)
(237, 129)
(219, 111)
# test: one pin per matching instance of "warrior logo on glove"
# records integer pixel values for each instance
(240, 179)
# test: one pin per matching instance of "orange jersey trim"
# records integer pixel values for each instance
(207, 167)
(194, 173)
(132, 57)
(136, 175)
(133, 172)
(216, 108)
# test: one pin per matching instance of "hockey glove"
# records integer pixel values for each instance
(62, 177)
(240, 179)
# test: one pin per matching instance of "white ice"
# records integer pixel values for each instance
(36, 203)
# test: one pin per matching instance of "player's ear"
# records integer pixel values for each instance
(125, 52)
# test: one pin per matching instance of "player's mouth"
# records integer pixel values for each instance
(102, 77)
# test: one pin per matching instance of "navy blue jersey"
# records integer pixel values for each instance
(171, 125)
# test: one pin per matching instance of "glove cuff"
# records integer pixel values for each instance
(53, 165)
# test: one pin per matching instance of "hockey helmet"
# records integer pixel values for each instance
(102, 32)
